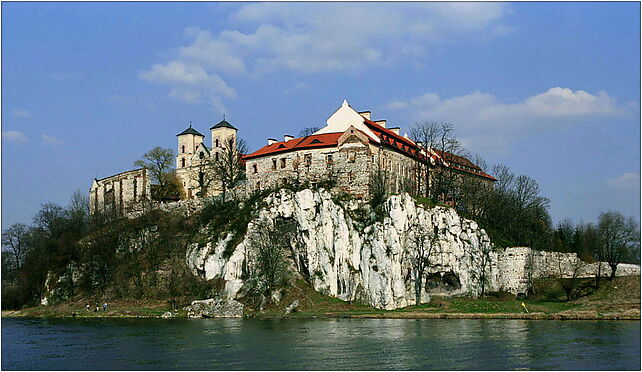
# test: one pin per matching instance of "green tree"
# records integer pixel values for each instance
(159, 163)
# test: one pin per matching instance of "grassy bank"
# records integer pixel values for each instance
(619, 299)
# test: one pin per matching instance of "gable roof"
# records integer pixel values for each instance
(190, 130)
(223, 124)
(314, 141)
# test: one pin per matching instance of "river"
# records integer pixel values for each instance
(313, 344)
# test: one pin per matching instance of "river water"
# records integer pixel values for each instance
(338, 344)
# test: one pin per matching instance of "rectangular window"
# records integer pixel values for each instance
(282, 163)
(308, 160)
(328, 160)
(273, 164)
(352, 157)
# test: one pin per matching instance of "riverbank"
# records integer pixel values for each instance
(616, 300)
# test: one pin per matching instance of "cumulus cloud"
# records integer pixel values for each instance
(310, 38)
(190, 83)
(477, 114)
(14, 136)
(21, 113)
(627, 181)
(51, 140)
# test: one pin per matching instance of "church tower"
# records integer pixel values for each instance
(221, 135)
(188, 140)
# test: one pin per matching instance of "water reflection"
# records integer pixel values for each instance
(337, 344)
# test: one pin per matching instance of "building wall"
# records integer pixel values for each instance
(119, 193)
(189, 175)
(353, 162)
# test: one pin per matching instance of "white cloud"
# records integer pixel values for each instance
(190, 83)
(489, 124)
(318, 37)
(22, 113)
(14, 136)
(627, 181)
(51, 140)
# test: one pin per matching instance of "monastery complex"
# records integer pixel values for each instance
(346, 153)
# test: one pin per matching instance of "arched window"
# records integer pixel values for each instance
(217, 156)
(183, 149)
(217, 142)
(201, 178)
(201, 155)
(256, 169)
(183, 162)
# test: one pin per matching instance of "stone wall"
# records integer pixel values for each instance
(349, 165)
(120, 193)
(520, 265)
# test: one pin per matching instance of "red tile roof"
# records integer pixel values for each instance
(386, 136)
(310, 142)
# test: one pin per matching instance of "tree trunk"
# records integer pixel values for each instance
(599, 273)
(613, 268)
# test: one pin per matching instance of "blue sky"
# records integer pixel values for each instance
(550, 89)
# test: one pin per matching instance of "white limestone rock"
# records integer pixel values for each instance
(215, 308)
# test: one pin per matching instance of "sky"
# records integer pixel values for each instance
(550, 89)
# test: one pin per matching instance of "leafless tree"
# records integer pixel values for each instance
(440, 139)
(378, 184)
(203, 173)
(270, 246)
(569, 281)
(229, 169)
(617, 237)
(420, 243)
(308, 131)
(15, 240)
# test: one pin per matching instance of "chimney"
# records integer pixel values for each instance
(381, 122)
(420, 144)
(395, 130)
(287, 137)
(271, 141)
(365, 114)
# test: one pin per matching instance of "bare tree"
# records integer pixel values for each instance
(308, 131)
(425, 135)
(439, 139)
(568, 278)
(420, 243)
(269, 247)
(377, 186)
(159, 162)
(15, 239)
(203, 173)
(617, 237)
(230, 168)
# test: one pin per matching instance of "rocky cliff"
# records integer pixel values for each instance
(350, 252)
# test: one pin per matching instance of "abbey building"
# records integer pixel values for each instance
(347, 153)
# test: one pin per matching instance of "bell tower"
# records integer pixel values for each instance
(187, 142)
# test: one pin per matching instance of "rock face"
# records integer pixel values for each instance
(358, 259)
(215, 308)
(347, 251)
